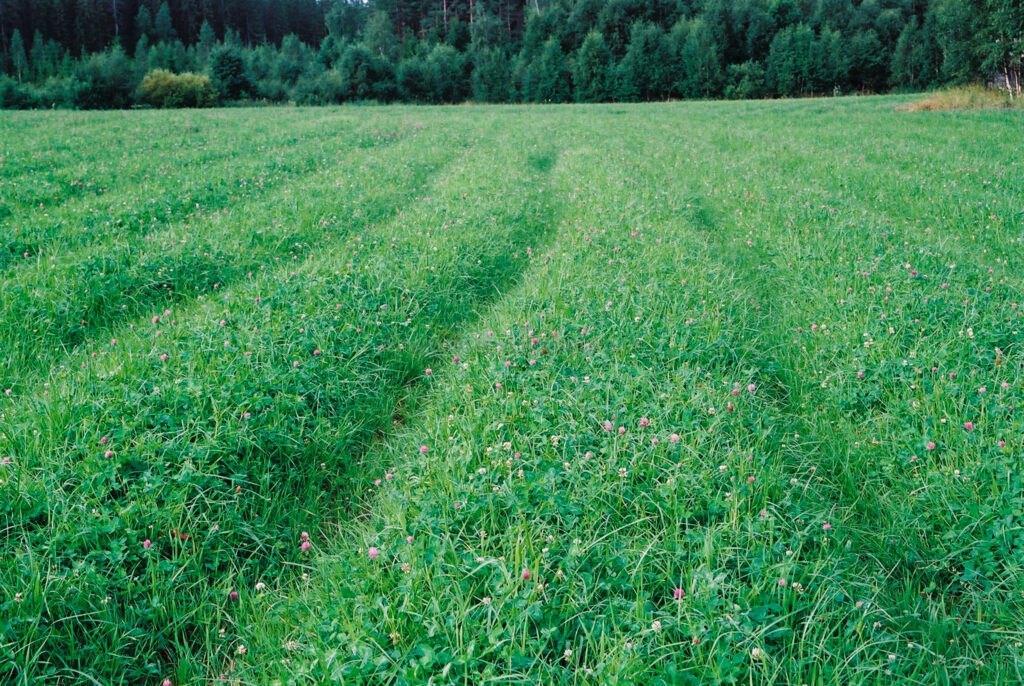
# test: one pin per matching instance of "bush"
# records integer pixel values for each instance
(414, 80)
(746, 81)
(161, 88)
(16, 96)
(326, 88)
(57, 92)
(105, 80)
(227, 69)
(366, 76)
(448, 70)
(270, 90)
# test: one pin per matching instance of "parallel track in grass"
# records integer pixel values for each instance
(281, 425)
(67, 303)
(735, 291)
(133, 184)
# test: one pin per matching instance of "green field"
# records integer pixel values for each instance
(690, 393)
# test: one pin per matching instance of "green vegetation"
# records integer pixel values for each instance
(90, 54)
(161, 88)
(666, 394)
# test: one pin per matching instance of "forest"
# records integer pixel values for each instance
(91, 54)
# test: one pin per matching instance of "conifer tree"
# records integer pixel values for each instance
(163, 27)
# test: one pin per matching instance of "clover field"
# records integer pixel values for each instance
(688, 393)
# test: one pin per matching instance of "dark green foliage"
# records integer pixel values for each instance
(791, 61)
(863, 63)
(1002, 47)
(44, 56)
(207, 43)
(700, 73)
(440, 76)
(163, 28)
(379, 38)
(105, 80)
(413, 80)
(448, 74)
(490, 80)
(328, 88)
(540, 26)
(592, 70)
(227, 70)
(144, 22)
(801, 63)
(506, 51)
(345, 21)
(547, 78)
(292, 59)
(649, 66)
(616, 20)
(912, 65)
(16, 96)
(745, 81)
(329, 52)
(954, 24)
(458, 35)
(487, 32)
(366, 76)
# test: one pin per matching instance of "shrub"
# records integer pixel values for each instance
(448, 70)
(16, 96)
(57, 92)
(227, 69)
(270, 90)
(366, 76)
(746, 81)
(105, 80)
(414, 80)
(326, 88)
(161, 88)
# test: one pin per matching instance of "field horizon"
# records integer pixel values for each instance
(672, 393)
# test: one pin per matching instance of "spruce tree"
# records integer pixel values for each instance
(144, 23)
(163, 27)
(207, 42)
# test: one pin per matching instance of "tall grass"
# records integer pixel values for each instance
(973, 97)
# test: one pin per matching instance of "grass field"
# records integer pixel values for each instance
(693, 393)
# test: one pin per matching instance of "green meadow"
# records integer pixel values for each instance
(689, 393)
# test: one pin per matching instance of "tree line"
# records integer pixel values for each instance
(100, 53)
